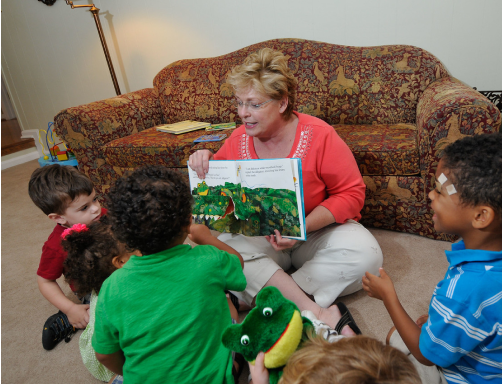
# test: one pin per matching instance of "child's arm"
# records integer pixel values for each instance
(77, 313)
(201, 235)
(383, 289)
(114, 361)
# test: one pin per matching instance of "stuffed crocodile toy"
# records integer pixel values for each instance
(275, 326)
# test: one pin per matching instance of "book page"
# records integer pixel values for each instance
(220, 172)
(214, 196)
(271, 197)
(276, 174)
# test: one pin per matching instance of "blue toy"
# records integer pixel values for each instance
(55, 154)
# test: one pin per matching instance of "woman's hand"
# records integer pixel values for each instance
(381, 287)
(199, 162)
(279, 243)
(199, 234)
(258, 371)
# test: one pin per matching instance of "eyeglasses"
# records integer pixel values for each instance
(240, 104)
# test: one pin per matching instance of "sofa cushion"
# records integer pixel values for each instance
(378, 149)
(383, 149)
(153, 147)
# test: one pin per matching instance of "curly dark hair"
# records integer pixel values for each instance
(53, 187)
(90, 254)
(149, 208)
(475, 163)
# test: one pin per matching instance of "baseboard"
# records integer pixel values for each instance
(13, 161)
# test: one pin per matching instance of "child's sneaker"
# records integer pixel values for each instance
(56, 328)
(322, 328)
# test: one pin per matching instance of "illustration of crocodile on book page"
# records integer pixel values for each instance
(251, 197)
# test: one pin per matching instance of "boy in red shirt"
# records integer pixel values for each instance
(67, 197)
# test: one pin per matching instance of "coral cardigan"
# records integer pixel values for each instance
(330, 174)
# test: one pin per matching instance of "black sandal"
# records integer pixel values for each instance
(346, 319)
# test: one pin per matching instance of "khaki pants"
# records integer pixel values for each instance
(329, 264)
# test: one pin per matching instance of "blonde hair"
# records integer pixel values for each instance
(267, 72)
(352, 360)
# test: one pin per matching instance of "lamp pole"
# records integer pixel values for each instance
(95, 14)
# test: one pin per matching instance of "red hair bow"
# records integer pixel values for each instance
(74, 228)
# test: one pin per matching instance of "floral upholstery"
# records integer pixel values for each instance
(168, 149)
(88, 127)
(382, 149)
(395, 106)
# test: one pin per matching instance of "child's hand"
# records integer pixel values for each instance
(378, 287)
(78, 316)
(199, 233)
(258, 371)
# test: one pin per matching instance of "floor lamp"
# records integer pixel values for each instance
(95, 13)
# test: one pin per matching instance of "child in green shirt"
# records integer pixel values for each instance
(160, 318)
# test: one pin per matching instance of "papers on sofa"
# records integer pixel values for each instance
(183, 127)
(251, 197)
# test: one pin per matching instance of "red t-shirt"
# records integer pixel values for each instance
(331, 177)
(53, 255)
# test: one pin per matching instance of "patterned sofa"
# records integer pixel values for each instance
(395, 106)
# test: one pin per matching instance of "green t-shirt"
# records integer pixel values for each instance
(167, 312)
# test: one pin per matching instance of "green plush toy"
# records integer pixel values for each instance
(275, 326)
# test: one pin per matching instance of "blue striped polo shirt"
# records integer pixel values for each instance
(464, 331)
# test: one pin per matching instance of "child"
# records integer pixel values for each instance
(463, 333)
(161, 317)
(350, 360)
(93, 254)
(67, 197)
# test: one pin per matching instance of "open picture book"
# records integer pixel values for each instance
(251, 197)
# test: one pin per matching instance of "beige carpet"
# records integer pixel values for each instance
(416, 264)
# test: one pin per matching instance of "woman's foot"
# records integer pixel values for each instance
(332, 316)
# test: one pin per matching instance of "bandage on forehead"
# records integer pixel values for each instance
(440, 182)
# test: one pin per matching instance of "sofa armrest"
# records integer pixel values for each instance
(87, 128)
(95, 124)
(447, 111)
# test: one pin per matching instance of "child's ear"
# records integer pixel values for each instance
(119, 261)
(57, 218)
(483, 216)
(116, 263)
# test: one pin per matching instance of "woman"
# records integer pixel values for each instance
(338, 250)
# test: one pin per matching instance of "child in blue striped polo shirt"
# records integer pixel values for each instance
(461, 341)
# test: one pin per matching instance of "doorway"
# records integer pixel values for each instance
(11, 130)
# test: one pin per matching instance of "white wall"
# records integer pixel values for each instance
(52, 57)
